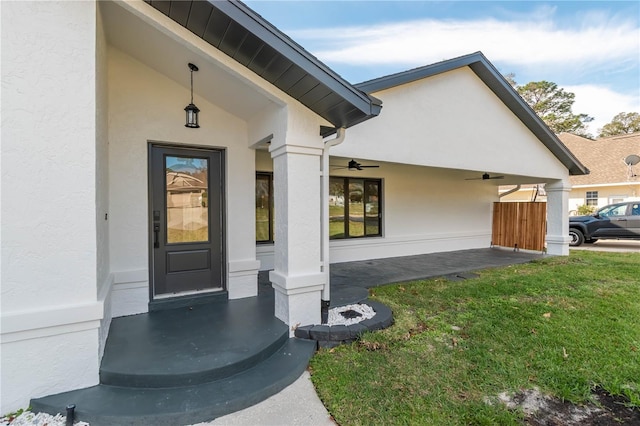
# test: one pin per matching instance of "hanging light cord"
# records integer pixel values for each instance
(191, 84)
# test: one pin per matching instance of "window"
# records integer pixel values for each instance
(591, 198)
(613, 211)
(264, 208)
(359, 200)
(354, 208)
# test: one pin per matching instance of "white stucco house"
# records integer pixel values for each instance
(100, 175)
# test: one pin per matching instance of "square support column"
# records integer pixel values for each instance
(297, 277)
(558, 218)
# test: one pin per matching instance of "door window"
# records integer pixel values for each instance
(187, 201)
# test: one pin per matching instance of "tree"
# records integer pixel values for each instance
(553, 105)
(622, 123)
(511, 79)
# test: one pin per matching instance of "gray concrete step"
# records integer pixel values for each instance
(106, 405)
(191, 344)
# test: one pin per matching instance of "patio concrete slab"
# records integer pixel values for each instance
(375, 272)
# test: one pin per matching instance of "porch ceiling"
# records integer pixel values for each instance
(168, 56)
(464, 176)
(245, 36)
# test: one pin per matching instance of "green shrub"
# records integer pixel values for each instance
(585, 210)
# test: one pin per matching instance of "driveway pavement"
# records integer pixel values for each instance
(611, 245)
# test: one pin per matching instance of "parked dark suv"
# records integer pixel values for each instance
(620, 220)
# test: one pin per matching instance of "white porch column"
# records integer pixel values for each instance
(297, 277)
(558, 217)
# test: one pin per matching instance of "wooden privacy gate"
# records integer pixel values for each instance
(519, 225)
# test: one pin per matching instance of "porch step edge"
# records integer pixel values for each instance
(171, 379)
(105, 405)
(189, 300)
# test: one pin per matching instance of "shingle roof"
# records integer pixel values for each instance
(481, 66)
(252, 41)
(604, 158)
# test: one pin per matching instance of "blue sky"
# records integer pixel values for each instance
(590, 48)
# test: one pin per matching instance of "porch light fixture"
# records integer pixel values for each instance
(192, 110)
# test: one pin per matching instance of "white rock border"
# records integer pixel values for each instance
(28, 418)
(335, 317)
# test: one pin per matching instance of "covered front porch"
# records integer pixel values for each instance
(198, 362)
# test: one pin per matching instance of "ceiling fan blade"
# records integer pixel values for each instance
(486, 176)
(353, 165)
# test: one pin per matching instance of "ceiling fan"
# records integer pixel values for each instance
(354, 165)
(486, 176)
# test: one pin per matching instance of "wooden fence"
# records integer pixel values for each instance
(519, 225)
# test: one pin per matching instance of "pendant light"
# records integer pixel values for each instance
(192, 110)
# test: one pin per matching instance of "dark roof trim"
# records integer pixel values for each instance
(485, 70)
(235, 29)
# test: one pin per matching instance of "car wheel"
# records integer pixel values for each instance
(577, 237)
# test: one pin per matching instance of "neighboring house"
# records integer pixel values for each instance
(523, 193)
(93, 125)
(610, 180)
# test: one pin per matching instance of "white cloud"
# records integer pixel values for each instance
(525, 42)
(596, 45)
(602, 104)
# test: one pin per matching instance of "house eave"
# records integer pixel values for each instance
(258, 45)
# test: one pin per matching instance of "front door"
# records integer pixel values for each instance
(185, 220)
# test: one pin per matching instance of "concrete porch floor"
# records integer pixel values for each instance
(350, 281)
(375, 272)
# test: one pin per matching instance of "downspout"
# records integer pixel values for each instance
(326, 291)
(511, 191)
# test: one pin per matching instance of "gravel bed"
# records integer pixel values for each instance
(358, 312)
(28, 418)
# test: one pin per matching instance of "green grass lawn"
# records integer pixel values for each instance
(562, 324)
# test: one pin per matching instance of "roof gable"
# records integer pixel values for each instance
(245, 36)
(481, 66)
